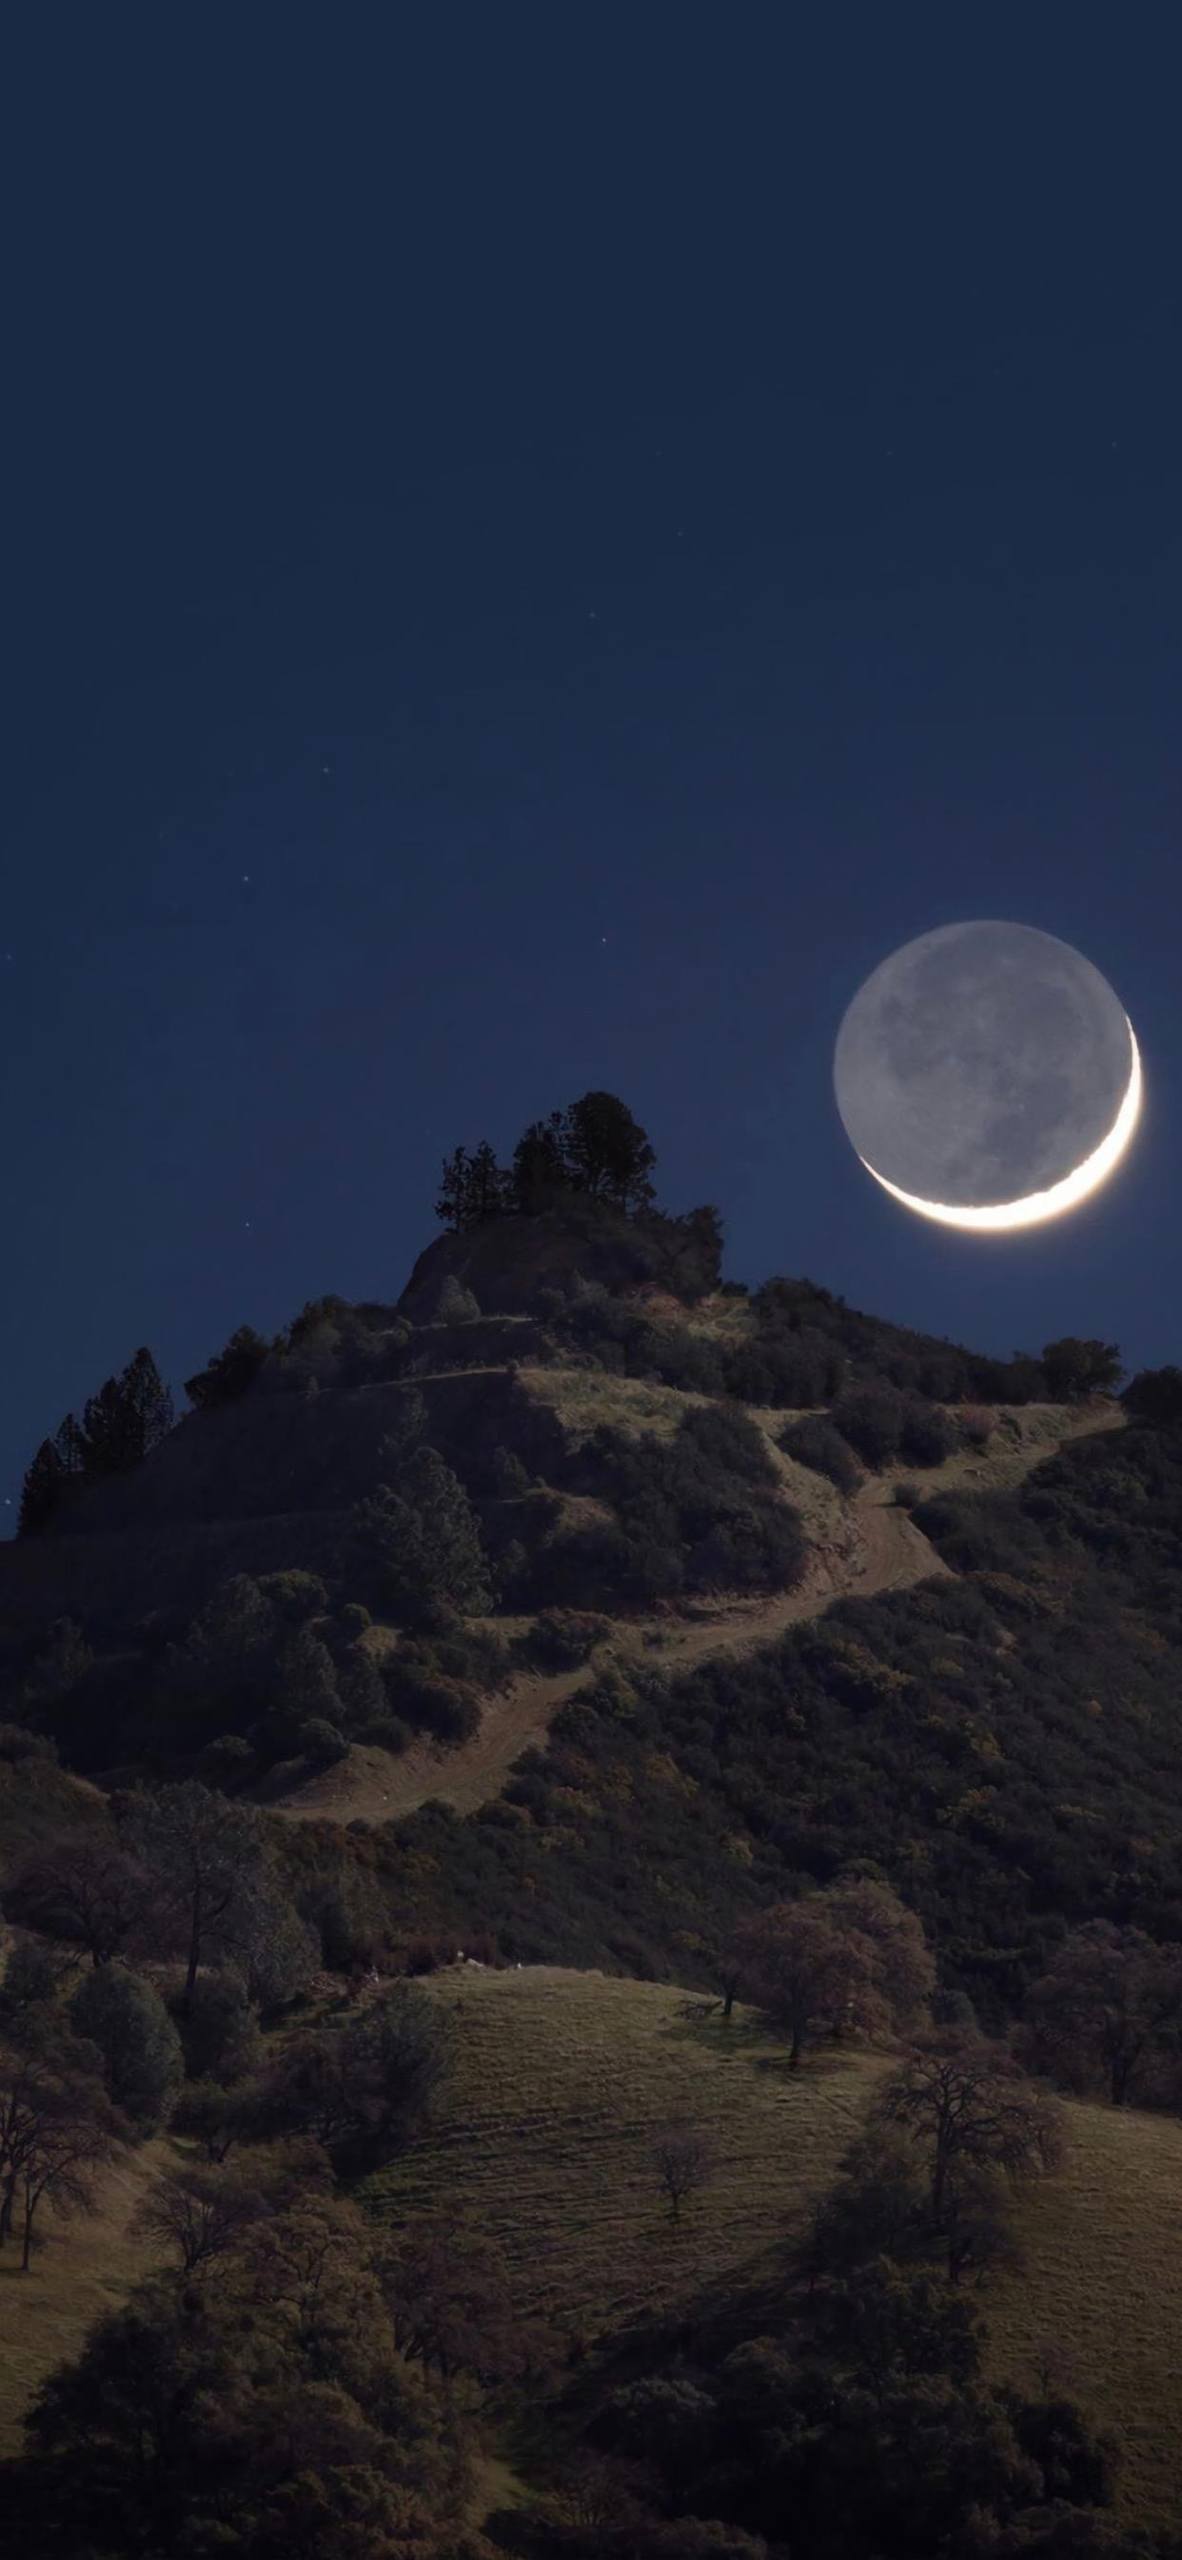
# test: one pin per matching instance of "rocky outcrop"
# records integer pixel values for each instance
(508, 1262)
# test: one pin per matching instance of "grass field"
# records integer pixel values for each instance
(560, 2080)
(544, 2140)
(80, 2274)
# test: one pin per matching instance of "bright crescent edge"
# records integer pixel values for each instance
(1066, 1194)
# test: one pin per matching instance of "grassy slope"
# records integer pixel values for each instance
(81, 2273)
(544, 2140)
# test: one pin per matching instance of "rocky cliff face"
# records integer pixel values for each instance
(509, 1261)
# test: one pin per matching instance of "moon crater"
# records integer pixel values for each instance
(987, 1075)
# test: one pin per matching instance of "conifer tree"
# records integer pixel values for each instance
(41, 1492)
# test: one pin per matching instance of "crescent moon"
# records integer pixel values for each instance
(1066, 1194)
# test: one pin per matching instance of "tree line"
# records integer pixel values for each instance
(118, 1426)
(593, 1146)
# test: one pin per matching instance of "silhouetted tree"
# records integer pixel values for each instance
(541, 1172)
(127, 1417)
(231, 1371)
(1155, 1395)
(1074, 1368)
(473, 1188)
(41, 1491)
(607, 1152)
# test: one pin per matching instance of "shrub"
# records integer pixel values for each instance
(322, 1743)
(927, 1435)
(16, 1744)
(725, 1439)
(906, 1494)
(815, 1443)
(976, 1425)
(871, 1419)
(353, 1619)
(387, 1733)
(456, 1304)
(560, 1639)
(219, 2030)
(228, 1757)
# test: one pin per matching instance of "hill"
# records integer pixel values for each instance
(544, 2142)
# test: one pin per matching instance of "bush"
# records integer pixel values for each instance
(456, 1304)
(871, 1419)
(353, 1619)
(228, 1757)
(510, 1478)
(815, 1443)
(219, 2030)
(16, 1745)
(126, 2018)
(726, 1440)
(322, 1743)
(560, 1639)
(976, 1425)
(906, 1494)
(387, 1733)
(927, 1435)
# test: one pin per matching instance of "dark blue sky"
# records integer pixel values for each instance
(539, 545)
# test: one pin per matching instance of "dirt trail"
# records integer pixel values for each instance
(883, 1552)
(858, 1548)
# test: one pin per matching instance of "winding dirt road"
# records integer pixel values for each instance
(857, 1548)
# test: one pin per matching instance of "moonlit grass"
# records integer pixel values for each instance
(1066, 1194)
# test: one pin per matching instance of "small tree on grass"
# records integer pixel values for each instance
(58, 2128)
(684, 2163)
(850, 1960)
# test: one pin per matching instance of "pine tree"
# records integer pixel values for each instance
(126, 1418)
(473, 1188)
(419, 1548)
(42, 1490)
(148, 1401)
(540, 1165)
(489, 1183)
(608, 1153)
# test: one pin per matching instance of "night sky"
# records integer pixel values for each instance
(539, 545)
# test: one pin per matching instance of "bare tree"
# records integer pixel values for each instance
(684, 2163)
(968, 2105)
(199, 2213)
(57, 2128)
(204, 1855)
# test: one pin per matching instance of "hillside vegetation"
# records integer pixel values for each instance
(782, 1707)
(546, 2143)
